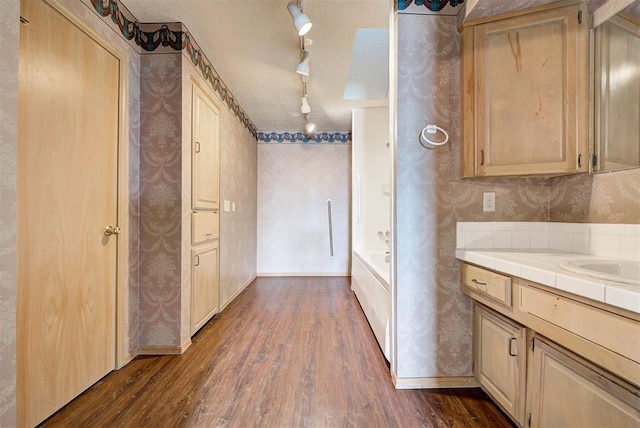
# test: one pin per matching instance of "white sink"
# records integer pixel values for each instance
(626, 271)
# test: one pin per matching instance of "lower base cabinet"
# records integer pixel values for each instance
(500, 360)
(541, 384)
(204, 285)
(564, 390)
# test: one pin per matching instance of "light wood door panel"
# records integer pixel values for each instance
(205, 180)
(67, 194)
(526, 86)
(204, 286)
(500, 360)
(565, 391)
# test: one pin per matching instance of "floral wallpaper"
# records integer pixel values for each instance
(600, 198)
(9, 21)
(433, 317)
(160, 200)
(294, 183)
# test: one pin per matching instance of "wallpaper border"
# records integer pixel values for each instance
(301, 138)
(156, 38)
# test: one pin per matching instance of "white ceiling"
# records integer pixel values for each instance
(255, 49)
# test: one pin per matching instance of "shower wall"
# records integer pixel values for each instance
(294, 183)
(371, 179)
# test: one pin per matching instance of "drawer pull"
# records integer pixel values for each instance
(208, 234)
(511, 351)
(478, 282)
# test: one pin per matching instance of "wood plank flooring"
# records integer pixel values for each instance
(288, 352)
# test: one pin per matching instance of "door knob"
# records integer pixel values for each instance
(111, 230)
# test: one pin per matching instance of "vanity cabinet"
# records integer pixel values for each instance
(525, 94)
(500, 360)
(564, 390)
(549, 358)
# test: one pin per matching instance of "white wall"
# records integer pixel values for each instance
(294, 183)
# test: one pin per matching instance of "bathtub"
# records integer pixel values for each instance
(370, 284)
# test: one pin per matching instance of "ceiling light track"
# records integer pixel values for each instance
(303, 25)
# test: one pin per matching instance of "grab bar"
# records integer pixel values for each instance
(330, 228)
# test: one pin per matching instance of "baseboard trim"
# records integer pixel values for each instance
(127, 359)
(164, 350)
(302, 274)
(435, 382)
(237, 293)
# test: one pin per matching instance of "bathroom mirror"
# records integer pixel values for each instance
(617, 91)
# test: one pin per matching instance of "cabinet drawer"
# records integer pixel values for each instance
(491, 284)
(611, 331)
(204, 227)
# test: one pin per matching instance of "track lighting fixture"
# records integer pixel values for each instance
(300, 20)
(303, 66)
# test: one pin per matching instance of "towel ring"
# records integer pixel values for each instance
(432, 129)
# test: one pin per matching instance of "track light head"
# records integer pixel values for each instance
(303, 67)
(300, 20)
(305, 108)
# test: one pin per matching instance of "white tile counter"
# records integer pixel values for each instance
(479, 243)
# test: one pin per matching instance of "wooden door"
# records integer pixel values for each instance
(205, 181)
(563, 390)
(500, 360)
(204, 286)
(67, 194)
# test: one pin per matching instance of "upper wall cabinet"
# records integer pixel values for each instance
(526, 94)
(205, 134)
(617, 93)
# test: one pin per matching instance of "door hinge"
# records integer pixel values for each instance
(529, 420)
(580, 17)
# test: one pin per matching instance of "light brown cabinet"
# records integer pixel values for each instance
(617, 93)
(205, 152)
(564, 390)
(500, 360)
(204, 286)
(205, 277)
(550, 360)
(526, 94)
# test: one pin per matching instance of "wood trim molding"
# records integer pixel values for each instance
(303, 274)
(237, 293)
(164, 350)
(435, 382)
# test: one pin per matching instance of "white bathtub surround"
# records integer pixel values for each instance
(370, 283)
(535, 251)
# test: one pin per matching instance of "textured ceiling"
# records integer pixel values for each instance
(255, 49)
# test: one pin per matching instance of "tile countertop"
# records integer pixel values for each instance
(542, 266)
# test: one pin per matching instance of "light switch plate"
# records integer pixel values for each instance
(226, 205)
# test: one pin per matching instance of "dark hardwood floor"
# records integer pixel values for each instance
(288, 352)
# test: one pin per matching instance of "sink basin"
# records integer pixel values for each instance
(625, 271)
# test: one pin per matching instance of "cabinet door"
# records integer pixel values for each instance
(205, 282)
(617, 95)
(529, 82)
(205, 170)
(499, 360)
(563, 390)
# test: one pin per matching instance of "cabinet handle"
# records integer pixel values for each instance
(482, 157)
(511, 342)
(197, 147)
(478, 282)
(579, 161)
(197, 260)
